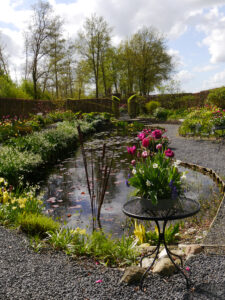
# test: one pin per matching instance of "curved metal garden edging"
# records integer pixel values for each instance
(219, 181)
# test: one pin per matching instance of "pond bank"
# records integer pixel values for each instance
(52, 275)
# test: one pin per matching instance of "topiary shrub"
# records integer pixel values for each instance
(217, 97)
(115, 106)
(133, 107)
(161, 113)
(151, 106)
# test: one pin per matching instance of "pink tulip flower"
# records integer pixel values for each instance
(144, 154)
(169, 153)
(131, 150)
(141, 136)
(145, 142)
(157, 134)
(133, 162)
(159, 146)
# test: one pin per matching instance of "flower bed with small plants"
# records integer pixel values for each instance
(24, 156)
(203, 122)
(16, 126)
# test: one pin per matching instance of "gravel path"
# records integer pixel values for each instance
(28, 275)
(205, 153)
(25, 274)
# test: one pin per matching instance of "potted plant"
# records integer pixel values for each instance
(156, 177)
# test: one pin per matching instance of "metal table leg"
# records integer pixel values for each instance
(161, 240)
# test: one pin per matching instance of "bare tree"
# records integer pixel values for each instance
(92, 44)
(57, 53)
(3, 60)
(37, 39)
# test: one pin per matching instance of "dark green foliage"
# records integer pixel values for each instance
(133, 107)
(8, 89)
(217, 97)
(161, 113)
(187, 101)
(28, 88)
(115, 106)
(151, 106)
(98, 245)
(23, 155)
(171, 235)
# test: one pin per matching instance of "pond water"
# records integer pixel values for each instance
(65, 191)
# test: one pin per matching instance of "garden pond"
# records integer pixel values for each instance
(66, 196)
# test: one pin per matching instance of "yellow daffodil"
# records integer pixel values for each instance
(139, 232)
(79, 231)
(22, 202)
(5, 197)
(13, 200)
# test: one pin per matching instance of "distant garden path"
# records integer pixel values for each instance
(207, 153)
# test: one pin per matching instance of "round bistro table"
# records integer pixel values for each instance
(183, 208)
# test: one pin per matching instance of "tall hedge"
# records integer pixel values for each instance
(115, 106)
(217, 97)
(133, 106)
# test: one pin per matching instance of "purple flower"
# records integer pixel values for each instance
(127, 183)
(171, 184)
(174, 192)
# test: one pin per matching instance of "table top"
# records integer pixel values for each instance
(183, 208)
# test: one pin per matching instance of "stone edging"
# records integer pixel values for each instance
(219, 181)
(156, 121)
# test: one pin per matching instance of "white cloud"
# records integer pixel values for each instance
(184, 76)
(206, 68)
(214, 81)
(171, 17)
(213, 26)
(176, 58)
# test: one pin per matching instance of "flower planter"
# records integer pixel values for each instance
(163, 204)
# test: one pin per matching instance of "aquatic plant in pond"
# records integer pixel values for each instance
(96, 191)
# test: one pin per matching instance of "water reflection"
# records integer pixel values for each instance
(66, 194)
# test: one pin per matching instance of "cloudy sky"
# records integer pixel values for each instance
(194, 31)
